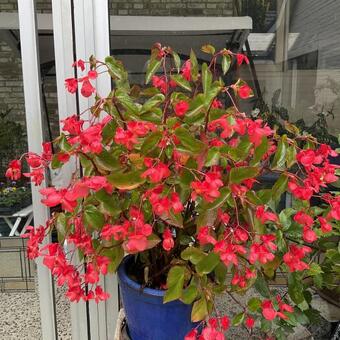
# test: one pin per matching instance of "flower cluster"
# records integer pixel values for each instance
(173, 173)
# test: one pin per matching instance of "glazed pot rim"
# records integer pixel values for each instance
(124, 278)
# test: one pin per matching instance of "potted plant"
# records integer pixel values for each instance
(169, 179)
(13, 197)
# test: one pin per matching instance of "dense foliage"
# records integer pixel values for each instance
(170, 174)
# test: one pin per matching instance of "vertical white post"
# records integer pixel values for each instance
(92, 38)
(64, 57)
(32, 94)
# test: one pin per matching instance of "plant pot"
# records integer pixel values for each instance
(146, 315)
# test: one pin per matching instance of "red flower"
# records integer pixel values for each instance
(37, 175)
(160, 83)
(186, 70)
(181, 108)
(265, 216)
(268, 312)
(309, 235)
(191, 335)
(87, 89)
(14, 170)
(176, 203)
(100, 295)
(245, 91)
(325, 227)
(92, 74)
(300, 192)
(293, 258)
(157, 173)
(91, 274)
(208, 189)
(241, 58)
(35, 237)
(210, 333)
(168, 242)
(260, 253)
(303, 219)
(217, 104)
(71, 85)
(91, 138)
(250, 322)
(135, 244)
(204, 237)
(72, 125)
(308, 158)
(222, 123)
(79, 63)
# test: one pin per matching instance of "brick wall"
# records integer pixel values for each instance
(172, 7)
(11, 89)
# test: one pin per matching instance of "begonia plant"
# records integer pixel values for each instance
(172, 174)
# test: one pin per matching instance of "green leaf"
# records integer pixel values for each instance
(109, 204)
(213, 156)
(220, 272)
(199, 310)
(61, 227)
(262, 286)
(117, 72)
(87, 165)
(295, 289)
(177, 61)
(93, 218)
(192, 254)
(175, 281)
(55, 163)
(194, 65)
(126, 180)
(64, 145)
(152, 102)
(107, 161)
(115, 254)
(195, 112)
(180, 81)
(208, 49)
(151, 142)
(188, 142)
(314, 269)
(242, 150)
(206, 79)
(109, 131)
(207, 264)
(152, 68)
(115, 67)
(260, 152)
(291, 156)
(126, 101)
(226, 62)
(254, 304)
(189, 294)
(238, 319)
(239, 174)
(279, 187)
(280, 154)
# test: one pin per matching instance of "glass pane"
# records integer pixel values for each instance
(19, 298)
(296, 54)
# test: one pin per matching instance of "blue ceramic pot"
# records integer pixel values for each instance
(146, 315)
